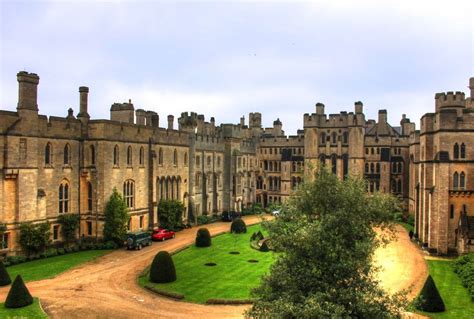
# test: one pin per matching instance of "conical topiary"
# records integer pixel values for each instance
(203, 238)
(238, 226)
(429, 299)
(18, 296)
(264, 247)
(4, 276)
(162, 268)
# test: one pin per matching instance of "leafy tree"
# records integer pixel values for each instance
(326, 239)
(162, 268)
(116, 219)
(34, 238)
(18, 296)
(429, 299)
(4, 276)
(69, 225)
(170, 213)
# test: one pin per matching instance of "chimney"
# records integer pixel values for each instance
(358, 106)
(382, 116)
(170, 122)
(27, 91)
(83, 95)
(471, 86)
(320, 108)
(242, 121)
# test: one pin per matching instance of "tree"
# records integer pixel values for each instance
(326, 239)
(116, 219)
(429, 299)
(162, 268)
(18, 296)
(69, 225)
(4, 276)
(170, 213)
(34, 238)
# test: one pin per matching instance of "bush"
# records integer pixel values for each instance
(69, 226)
(203, 238)
(51, 252)
(264, 247)
(116, 218)
(14, 260)
(18, 296)
(238, 226)
(61, 251)
(170, 213)
(4, 276)
(203, 219)
(162, 268)
(110, 245)
(34, 238)
(464, 268)
(429, 299)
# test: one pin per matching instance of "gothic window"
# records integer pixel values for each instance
(63, 197)
(334, 164)
(186, 159)
(92, 154)
(129, 193)
(345, 138)
(198, 160)
(367, 168)
(463, 151)
(322, 159)
(334, 137)
(66, 155)
(129, 155)
(48, 154)
(462, 180)
(116, 155)
(456, 180)
(366, 151)
(377, 168)
(372, 151)
(175, 157)
(160, 156)
(456, 151)
(372, 168)
(345, 165)
(209, 160)
(89, 197)
(141, 158)
(218, 161)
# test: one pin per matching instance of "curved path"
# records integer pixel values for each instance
(107, 287)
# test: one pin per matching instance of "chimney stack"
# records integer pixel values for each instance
(382, 116)
(358, 106)
(471, 86)
(320, 108)
(170, 122)
(83, 95)
(27, 91)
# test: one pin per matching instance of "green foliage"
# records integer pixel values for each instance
(18, 296)
(4, 276)
(34, 238)
(203, 219)
(264, 247)
(69, 226)
(170, 213)
(326, 240)
(238, 226)
(203, 238)
(464, 268)
(116, 219)
(162, 268)
(429, 299)
(273, 207)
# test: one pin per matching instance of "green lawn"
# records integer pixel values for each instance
(456, 298)
(51, 267)
(232, 278)
(33, 311)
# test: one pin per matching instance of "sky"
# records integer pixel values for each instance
(226, 59)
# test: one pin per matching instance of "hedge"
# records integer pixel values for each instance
(464, 268)
(162, 268)
(238, 226)
(203, 238)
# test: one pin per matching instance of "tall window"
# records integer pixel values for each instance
(372, 168)
(175, 157)
(218, 161)
(48, 154)
(129, 155)
(456, 151)
(116, 155)
(129, 193)
(66, 155)
(462, 180)
(198, 160)
(345, 138)
(92, 151)
(463, 151)
(377, 168)
(160, 156)
(334, 164)
(456, 180)
(5, 241)
(323, 138)
(142, 156)
(366, 168)
(89, 197)
(186, 159)
(451, 211)
(64, 197)
(334, 137)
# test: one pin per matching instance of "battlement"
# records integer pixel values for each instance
(449, 99)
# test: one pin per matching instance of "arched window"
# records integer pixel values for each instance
(372, 168)
(367, 168)
(462, 180)
(89, 197)
(345, 137)
(218, 161)
(63, 197)
(142, 156)
(116, 155)
(92, 154)
(372, 151)
(160, 156)
(66, 155)
(209, 160)
(334, 163)
(366, 151)
(186, 159)
(323, 138)
(129, 155)
(456, 180)
(129, 193)
(175, 157)
(48, 154)
(456, 151)
(463, 151)
(377, 168)
(334, 137)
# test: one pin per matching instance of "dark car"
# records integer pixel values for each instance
(229, 216)
(137, 240)
(162, 234)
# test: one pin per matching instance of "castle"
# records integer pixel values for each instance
(53, 166)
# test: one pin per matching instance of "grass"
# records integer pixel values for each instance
(51, 267)
(456, 298)
(232, 278)
(33, 311)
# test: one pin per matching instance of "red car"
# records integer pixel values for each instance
(162, 234)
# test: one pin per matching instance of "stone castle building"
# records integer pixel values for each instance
(53, 166)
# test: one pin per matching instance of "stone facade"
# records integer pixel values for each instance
(53, 166)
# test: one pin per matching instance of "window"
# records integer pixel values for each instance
(334, 137)
(345, 138)
(372, 168)
(367, 168)
(334, 164)
(48, 154)
(64, 197)
(366, 151)
(209, 160)
(456, 151)
(377, 168)
(92, 154)
(141, 222)
(5, 241)
(462, 180)
(218, 161)
(323, 138)
(175, 157)
(378, 150)
(116, 155)
(66, 155)
(89, 197)
(186, 159)
(55, 232)
(451, 211)
(372, 151)
(142, 156)
(89, 228)
(129, 156)
(463, 151)
(456, 180)
(129, 193)
(399, 186)
(160, 156)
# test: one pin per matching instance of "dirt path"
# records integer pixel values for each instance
(107, 287)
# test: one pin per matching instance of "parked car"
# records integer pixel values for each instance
(162, 234)
(137, 240)
(229, 216)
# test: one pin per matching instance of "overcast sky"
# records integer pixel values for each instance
(226, 59)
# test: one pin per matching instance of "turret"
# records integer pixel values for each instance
(277, 125)
(140, 116)
(27, 91)
(471, 87)
(122, 112)
(255, 120)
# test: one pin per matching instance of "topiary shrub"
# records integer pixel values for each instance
(238, 226)
(429, 299)
(264, 247)
(162, 268)
(203, 238)
(18, 296)
(4, 276)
